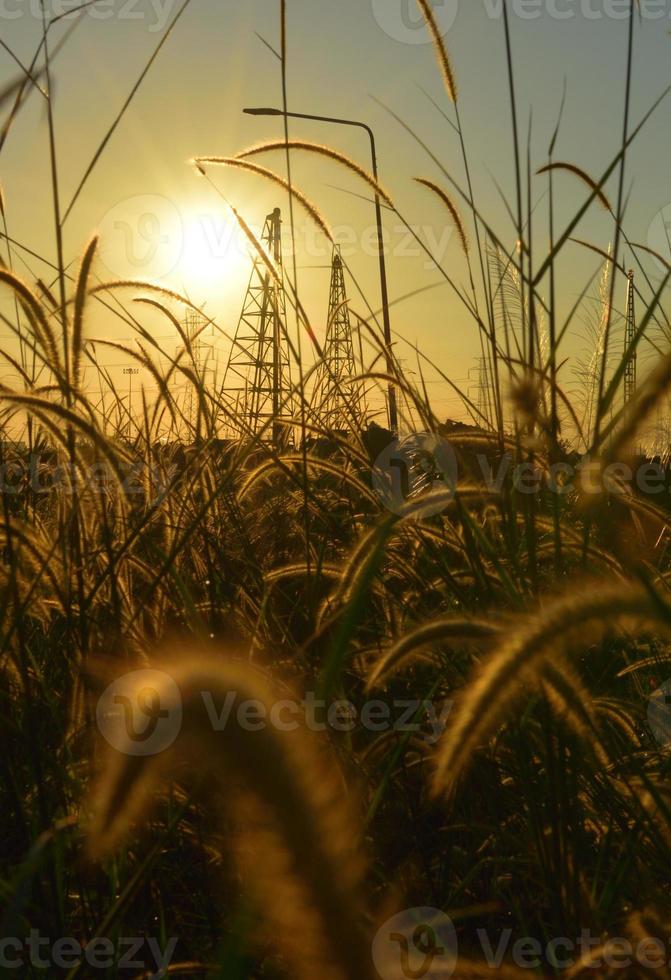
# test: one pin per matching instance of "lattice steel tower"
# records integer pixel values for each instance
(629, 335)
(339, 398)
(194, 322)
(258, 369)
(480, 394)
(483, 392)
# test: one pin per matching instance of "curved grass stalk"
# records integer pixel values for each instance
(442, 631)
(583, 176)
(454, 214)
(487, 699)
(440, 48)
(321, 150)
(304, 873)
(254, 168)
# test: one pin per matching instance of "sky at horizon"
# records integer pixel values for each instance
(344, 59)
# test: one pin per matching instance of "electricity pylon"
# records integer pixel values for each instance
(483, 389)
(194, 321)
(339, 398)
(629, 335)
(258, 369)
(482, 394)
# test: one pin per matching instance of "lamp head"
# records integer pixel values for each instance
(263, 112)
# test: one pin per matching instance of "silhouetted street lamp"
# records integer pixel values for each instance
(393, 415)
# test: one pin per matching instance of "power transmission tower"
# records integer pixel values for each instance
(483, 389)
(258, 368)
(482, 393)
(629, 335)
(194, 321)
(130, 372)
(338, 397)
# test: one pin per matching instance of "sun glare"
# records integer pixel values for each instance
(213, 252)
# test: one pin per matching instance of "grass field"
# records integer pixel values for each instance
(356, 710)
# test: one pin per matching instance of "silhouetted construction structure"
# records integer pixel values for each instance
(258, 372)
(483, 390)
(629, 335)
(480, 393)
(194, 324)
(339, 397)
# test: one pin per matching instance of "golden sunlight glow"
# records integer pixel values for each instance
(192, 248)
(213, 253)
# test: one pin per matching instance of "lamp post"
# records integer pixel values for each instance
(393, 414)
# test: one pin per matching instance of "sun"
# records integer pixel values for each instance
(213, 253)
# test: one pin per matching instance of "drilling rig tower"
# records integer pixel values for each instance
(339, 398)
(257, 373)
